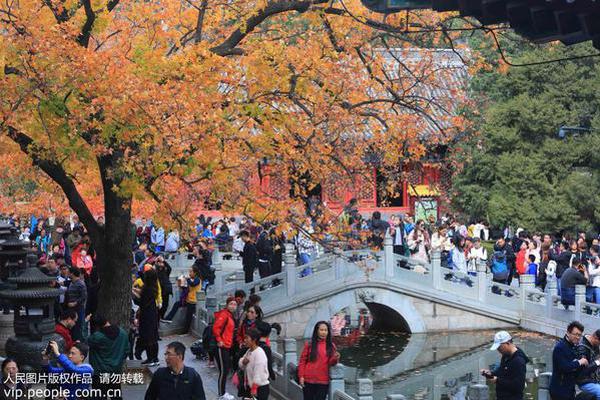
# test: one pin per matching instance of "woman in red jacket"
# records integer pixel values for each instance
(223, 329)
(317, 356)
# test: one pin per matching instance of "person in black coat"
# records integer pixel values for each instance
(565, 364)
(506, 248)
(587, 377)
(203, 264)
(148, 317)
(176, 381)
(563, 261)
(163, 270)
(249, 257)
(264, 247)
(509, 377)
(278, 248)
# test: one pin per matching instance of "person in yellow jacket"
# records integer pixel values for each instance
(193, 286)
(138, 284)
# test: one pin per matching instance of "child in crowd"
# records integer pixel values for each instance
(532, 268)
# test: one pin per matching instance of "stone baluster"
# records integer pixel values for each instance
(579, 300)
(211, 307)
(290, 268)
(336, 379)
(365, 389)
(388, 255)
(551, 290)
(544, 386)
(477, 391)
(338, 264)
(290, 362)
(274, 337)
(289, 350)
(218, 266)
(395, 397)
(482, 281)
(436, 269)
(526, 282)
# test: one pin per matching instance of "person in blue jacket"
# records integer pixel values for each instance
(565, 363)
(73, 365)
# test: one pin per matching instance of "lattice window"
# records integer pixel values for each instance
(279, 187)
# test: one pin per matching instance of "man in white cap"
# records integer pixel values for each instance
(509, 377)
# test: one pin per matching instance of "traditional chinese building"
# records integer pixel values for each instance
(422, 185)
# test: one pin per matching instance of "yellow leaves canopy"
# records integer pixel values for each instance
(175, 102)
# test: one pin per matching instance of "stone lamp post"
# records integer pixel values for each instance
(33, 302)
(13, 258)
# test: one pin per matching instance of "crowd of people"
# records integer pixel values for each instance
(238, 343)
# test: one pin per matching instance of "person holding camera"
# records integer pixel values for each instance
(566, 364)
(71, 364)
(587, 377)
(509, 376)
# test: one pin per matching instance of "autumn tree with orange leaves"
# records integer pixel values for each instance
(162, 105)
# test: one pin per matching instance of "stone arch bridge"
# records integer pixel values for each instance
(400, 293)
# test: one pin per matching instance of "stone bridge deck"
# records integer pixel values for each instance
(421, 297)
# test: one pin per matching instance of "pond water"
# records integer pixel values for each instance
(436, 365)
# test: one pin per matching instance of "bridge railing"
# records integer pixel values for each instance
(341, 268)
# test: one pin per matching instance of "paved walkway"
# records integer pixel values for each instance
(209, 375)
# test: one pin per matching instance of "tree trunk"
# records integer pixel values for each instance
(114, 255)
(114, 260)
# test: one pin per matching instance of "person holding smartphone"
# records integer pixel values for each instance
(70, 364)
(509, 377)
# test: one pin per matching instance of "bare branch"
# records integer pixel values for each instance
(58, 174)
(86, 30)
(200, 21)
(229, 46)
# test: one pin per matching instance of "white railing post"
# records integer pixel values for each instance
(365, 389)
(544, 385)
(289, 349)
(551, 290)
(338, 264)
(273, 337)
(290, 360)
(482, 281)
(436, 269)
(579, 300)
(211, 307)
(218, 267)
(290, 269)
(478, 391)
(389, 258)
(336, 379)
(526, 282)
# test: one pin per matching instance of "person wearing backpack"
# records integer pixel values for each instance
(502, 261)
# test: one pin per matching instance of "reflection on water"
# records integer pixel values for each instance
(435, 366)
(373, 350)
